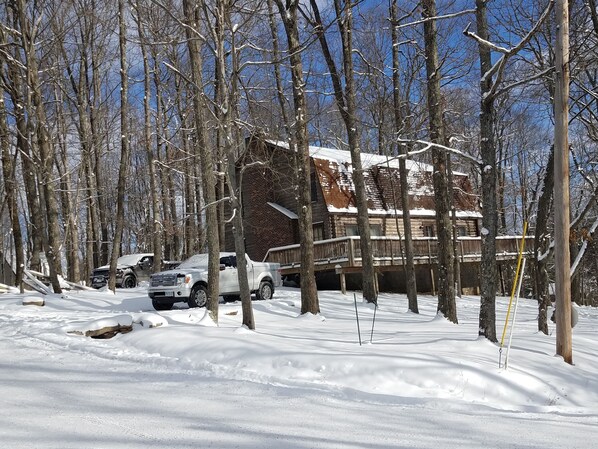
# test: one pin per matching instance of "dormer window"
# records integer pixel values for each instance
(428, 230)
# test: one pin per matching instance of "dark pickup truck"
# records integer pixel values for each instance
(130, 270)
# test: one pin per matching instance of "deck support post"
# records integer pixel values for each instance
(339, 271)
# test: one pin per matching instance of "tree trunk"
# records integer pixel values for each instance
(345, 100)
(10, 190)
(453, 214)
(221, 153)
(156, 214)
(124, 146)
(226, 101)
(410, 280)
(100, 208)
(487, 318)
(541, 244)
(23, 144)
(191, 219)
(299, 142)
(46, 151)
(205, 155)
(171, 219)
(68, 199)
(193, 223)
(80, 86)
(277, 75)
(446, 282)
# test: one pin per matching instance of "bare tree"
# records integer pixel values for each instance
(487, 321)
(345, 97)
(124, 145)
(69, 191)
(541, 245)
(490, 90)
(23, 130)
(446, 283)
(299, 142)
(44, 144)
(194, 235)
(226, 112)
(282, 101)
(156, 213)
(9, 178)
(193, 34)
(88, 26)
(410, 279)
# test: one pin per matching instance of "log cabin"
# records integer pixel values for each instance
(269, 192)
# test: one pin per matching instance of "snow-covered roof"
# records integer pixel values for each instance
(382, 181)
(283, 210)
(368, 160)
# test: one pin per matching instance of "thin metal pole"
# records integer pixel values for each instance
(374, 320)
(357, 317)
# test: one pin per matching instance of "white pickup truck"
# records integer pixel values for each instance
(189, 281)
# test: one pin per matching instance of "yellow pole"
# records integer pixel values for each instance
(519, 259)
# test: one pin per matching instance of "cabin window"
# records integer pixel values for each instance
(352, 230)
(314, 187)
(318, 231)
(462, 231)
(428, 230)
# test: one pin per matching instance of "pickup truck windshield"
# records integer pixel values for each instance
(131, 259)
(198, 260)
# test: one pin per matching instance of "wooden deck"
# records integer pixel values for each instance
(344, 254)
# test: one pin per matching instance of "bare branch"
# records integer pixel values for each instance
(430, 19)
(484, 42)
(583, 249)
(429, 145)
(527, 80)
(499, 66)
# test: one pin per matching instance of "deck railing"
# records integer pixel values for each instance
(387, 250)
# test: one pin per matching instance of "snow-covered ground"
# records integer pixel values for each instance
(417, 381)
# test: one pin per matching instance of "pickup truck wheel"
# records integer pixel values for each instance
(129, 282)
(160, 305)
(265, 292)
(198, 297)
